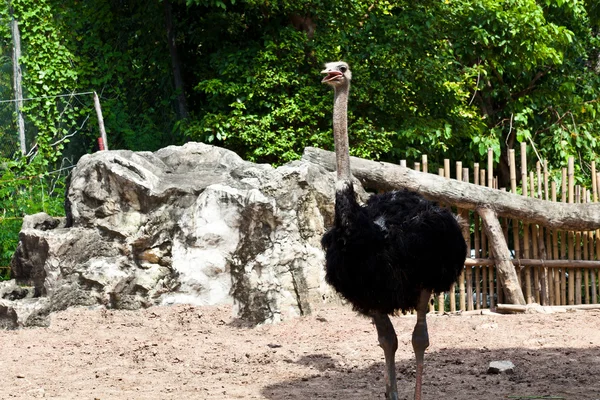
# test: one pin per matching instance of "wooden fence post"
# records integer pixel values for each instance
(467, 236)
(515, 222)
(563, 242)
(461, 280)
(477, 244)
(593, 235)
(484, 248)
(440, 298)
(571, 234)
(490, 184)
(535, 232)
(425, 167)
(526, 245)
(453, 287)
(100, 121)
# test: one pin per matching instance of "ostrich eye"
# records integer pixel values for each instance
(343, 69)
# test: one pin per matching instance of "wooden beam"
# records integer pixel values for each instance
(499, 249)
(523, 308)
(386, 176)
(529, 262)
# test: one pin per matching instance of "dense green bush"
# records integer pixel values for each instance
(447, 78)
(259, 85)
(23, 190)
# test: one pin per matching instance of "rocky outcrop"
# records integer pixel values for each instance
(193, 224)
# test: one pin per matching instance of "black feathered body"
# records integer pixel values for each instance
(381, 255)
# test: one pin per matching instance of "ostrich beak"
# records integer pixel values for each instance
(331, 75)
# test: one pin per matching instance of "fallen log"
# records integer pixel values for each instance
(386, 176)
(519, 308)
(483, 311)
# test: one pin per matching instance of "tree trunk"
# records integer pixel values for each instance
(504, 266)
(175, 63)
(385, 176)
(503, 171)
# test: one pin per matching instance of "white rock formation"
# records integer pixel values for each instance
(191, 224)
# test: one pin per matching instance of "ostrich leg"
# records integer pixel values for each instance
(420, 339)
(389, 343)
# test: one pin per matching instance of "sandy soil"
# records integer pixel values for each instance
(186, 352)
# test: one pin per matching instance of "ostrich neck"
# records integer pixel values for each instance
(345, 199)
(340, 133)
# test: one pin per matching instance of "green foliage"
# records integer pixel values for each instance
(530, 67)
(452, 78)
(121, 52)
(26, 186)
(262, 95)
(48, 72)
(23, 190)
(260, 103)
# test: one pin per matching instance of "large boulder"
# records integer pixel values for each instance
(192, 224)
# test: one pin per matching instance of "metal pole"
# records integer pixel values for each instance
(17, 82)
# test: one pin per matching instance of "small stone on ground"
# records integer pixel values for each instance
(499, 367)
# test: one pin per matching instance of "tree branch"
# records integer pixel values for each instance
(530, 87)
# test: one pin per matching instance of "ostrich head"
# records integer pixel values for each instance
(338, 77)
(338, 74)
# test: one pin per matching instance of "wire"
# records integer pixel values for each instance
(46, 97)
(61, 170)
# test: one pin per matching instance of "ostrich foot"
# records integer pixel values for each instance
(420, 340)
(389, 343)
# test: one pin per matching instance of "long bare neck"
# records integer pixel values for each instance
(340, 133)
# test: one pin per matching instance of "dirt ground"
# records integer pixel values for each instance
(185, 352)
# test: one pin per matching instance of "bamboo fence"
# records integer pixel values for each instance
(554, 267)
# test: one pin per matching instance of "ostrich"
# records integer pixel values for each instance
(391, 254)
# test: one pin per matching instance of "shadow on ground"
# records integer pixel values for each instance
(549, 373)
